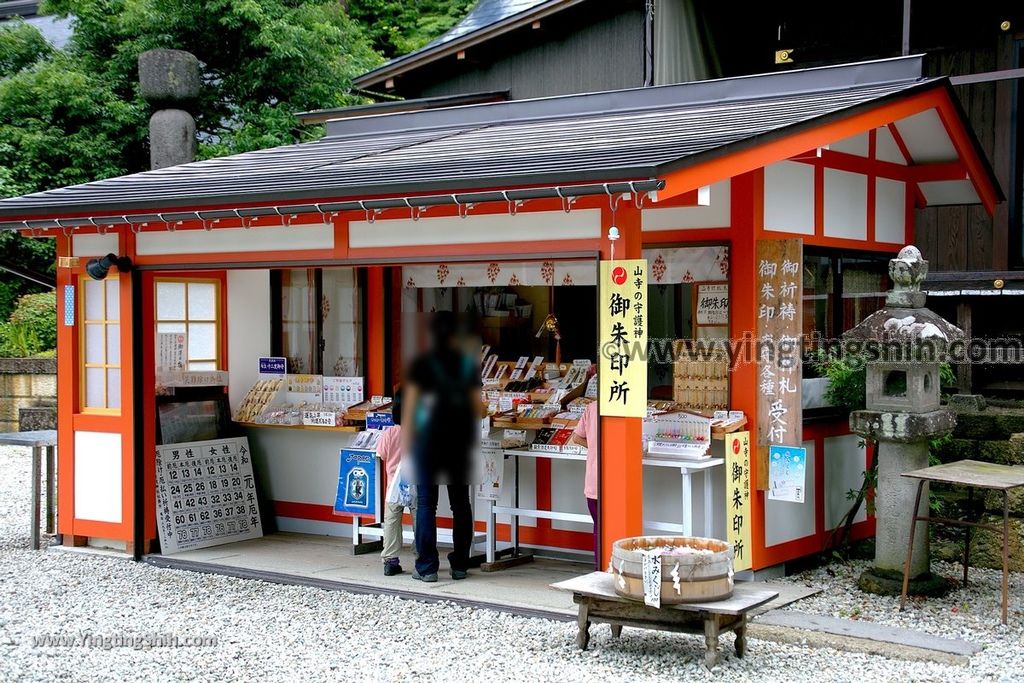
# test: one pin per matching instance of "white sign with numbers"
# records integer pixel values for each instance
(205, 494)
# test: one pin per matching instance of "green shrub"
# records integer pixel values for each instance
(18, 340)
(38, 313)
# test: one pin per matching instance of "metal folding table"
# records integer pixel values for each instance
(39, 441)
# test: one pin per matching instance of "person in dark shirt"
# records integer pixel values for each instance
(440, 430)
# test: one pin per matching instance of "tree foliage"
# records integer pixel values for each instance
(75, 115)
(399, 26)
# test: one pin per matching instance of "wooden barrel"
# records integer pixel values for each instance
(703, 565)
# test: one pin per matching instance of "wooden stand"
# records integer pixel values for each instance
(598, 602)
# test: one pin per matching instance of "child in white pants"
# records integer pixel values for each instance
(389, 450)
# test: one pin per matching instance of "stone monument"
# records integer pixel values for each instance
(904, 343)
(169, 80)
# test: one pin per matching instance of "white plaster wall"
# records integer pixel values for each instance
(856, 144)
(844, 470)
(890, 210)
(98, 476)
(228, 241)
(785, 521)
(886, 148)
(94, 245)
(248, 305)
(926, 138)
(717, 214)
(846, 197)
(477, 229)
(789, 197)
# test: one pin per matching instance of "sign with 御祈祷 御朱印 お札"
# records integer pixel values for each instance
(778, 294)
(622, 366)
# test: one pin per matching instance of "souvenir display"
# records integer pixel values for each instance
(257, 399)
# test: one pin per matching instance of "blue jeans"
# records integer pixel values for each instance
(427, 561)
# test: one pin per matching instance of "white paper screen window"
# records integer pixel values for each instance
(192, 307)
(101, 345)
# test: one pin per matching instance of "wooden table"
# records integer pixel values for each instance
(972, 474)
(598, 602)
(38, 441)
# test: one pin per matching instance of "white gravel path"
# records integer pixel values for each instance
(269, 632)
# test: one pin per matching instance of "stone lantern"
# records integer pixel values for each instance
(904, 344)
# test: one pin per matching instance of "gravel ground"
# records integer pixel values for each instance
(275, 633)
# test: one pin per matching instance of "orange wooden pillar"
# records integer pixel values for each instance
(621, 476)
(376, 344)
(67, 390)
(747, 210)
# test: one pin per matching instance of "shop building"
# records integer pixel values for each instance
(325, 254)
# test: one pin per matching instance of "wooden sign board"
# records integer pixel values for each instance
(779, 273)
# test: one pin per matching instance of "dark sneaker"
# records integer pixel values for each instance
(392, 567)
(458, 574)
(425, 578)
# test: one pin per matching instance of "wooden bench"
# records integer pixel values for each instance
(598, 602)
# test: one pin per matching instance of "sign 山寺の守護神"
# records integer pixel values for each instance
(779, 286)
(737, 498)
(622, 366)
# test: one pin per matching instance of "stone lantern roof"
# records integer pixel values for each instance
(905, 321)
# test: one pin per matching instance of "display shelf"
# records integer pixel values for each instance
(519, 452)
(344, 428)
(680, 464)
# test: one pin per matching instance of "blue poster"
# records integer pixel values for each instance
(357, 483)
(787, 473)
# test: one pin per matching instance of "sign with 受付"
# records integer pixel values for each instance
(622, 366)
(779, 285)
(712, 304)
(787, 473)
(357, 483)
(205, 494)
(737, 499)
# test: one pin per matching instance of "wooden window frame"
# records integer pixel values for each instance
(217, 320)
(84, 366)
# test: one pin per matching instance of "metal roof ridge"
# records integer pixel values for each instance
(732, 89)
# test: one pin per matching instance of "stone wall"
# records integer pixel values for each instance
(992, 434)
(28, 384)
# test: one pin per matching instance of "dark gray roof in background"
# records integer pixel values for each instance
(618, 135)
(485, 17)
(56, 30)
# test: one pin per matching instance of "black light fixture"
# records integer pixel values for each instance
(98, 268)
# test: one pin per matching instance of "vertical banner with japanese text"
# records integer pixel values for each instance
(779, 283)
(622, 368)
(737, 514)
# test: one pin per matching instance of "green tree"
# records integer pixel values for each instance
(399, 26)
(74, 115)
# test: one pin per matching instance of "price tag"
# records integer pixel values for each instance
(722, 415)
(504, 404)
(378, 400)
(735, 415)
(318, 418)
(581, 363)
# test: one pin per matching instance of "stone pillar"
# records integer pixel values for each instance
(169, 80)
(893, 501)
